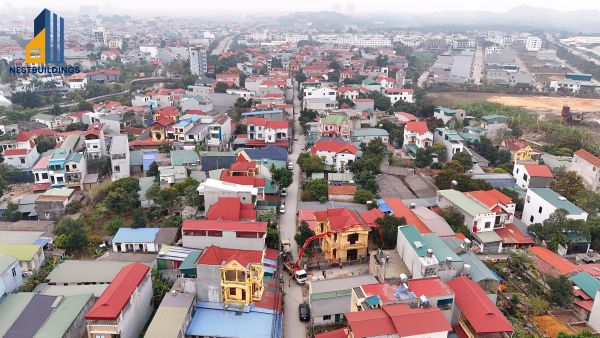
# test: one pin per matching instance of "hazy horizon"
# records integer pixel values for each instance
(183, 8)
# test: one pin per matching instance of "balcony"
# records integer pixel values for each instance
(103, 328)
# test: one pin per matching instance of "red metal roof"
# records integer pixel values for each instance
(489, 198)
(363, 100)
(592, 269)
(510, 234)
(370, 323)
(553, 259)
(333, 146)
(515, 144)
(585, 304)
(214, 255)
(341, 217)
(339, 333)
(15, 152)
(243, 180)
(190, 225)
(231, 209)
(429, 287)
(417, 321)
(257, 121)
(419, 127)
(341, 189)
(538, 170)
(399, 90)
(401, 210)
(26, 135)
(477, 307)
(117, 295)
(588, 157)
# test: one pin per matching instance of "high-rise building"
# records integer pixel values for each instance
(99, 36)
(198, 64)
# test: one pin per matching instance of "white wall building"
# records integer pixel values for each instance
(136, 240)
(198, 62)
(119, 157)
(476, 217)
(335, 154)
(242, 235)
(399, 94)
(587, 166)
(413, 251)
(212, 189)
(533, 44)
(11, 276)
(540, 203)
(451, 140)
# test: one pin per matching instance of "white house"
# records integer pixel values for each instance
(350, 93)
(417, 133)
(321, 92)
(496, 202)
(540, 203)
(51, 121)
(587, 166)
(446, 114)
(264, 132)
(212, 189)
(124, 307)
(135, 240)
(529, 175)
(30, 256)
(399, 94)
(11, 276)
(415, 253)
(119, 157)
(477, 217)
(451, 141)
(94, 141)
(77, 81)
(386, 82)
(533, 44)
(335, 153)
(219, 133)
(22, 157)
(242, 235)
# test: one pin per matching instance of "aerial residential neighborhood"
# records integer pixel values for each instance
(289, 170)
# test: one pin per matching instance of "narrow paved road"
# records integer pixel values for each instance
(292, 326)
(478, 66)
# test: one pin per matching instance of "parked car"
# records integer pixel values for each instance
(282, 209)
(304, 312)
(295, 138)
(283, 192)
(290, 165)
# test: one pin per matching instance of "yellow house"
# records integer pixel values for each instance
(242, 285)
(348, 237)
(520, 150)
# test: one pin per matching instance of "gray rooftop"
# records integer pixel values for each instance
(119, 144)
(81, 271)
(337, 284)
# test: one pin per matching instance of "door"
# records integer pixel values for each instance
(352, 255)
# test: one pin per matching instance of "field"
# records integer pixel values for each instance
(547, 108)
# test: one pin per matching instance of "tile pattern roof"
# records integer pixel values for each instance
(588, 157)
(333, 146)
(214, 255)
(515, 144)
(419, 127)
(231, 209)
(538, 170)
(489, 198)
(401, 210)
(557, 262)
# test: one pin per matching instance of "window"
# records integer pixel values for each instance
(353, 238)
(528, 199)
(73, 166)
(214, 233)
(487, 225)
(232, 292)
(327, 317)
(531, 219)
(525, 177)
(22, 159)
(540, 210)
(117, 168)
(14, 272)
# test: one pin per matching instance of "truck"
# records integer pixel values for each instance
(288, 263)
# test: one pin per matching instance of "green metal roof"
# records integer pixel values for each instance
(334, 119)
(464, 202)
(370, 132)
(59, 192)
(589, 284)
(441, 251)
(190, 260)
(270, 187)
(494, 117)
(557, 200)
(415, 239)
(11, 308)
(446, 111)
(198, 175)
(22, 252)
(63, 316)
(181, 157)
(469, 137)
(5, 262)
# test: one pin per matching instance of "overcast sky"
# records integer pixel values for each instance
(345, 6)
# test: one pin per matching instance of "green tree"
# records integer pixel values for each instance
(241, 129)
(75, 126)
(366, 180)
(112, 226)
(122, 195)
(152, 169)
(11, 213)
(172, 222)
(272, 238)
(167, 198)
(465, 159)
(361, 196)
(588, 201)
(304, 233)
(388, 226)
(164, 147)
(300, 77)
(310, 163)
(27, 99)
(454, 166)
(85, 105)
(581, 334)
(439, 149)
(568, 184)
(160, 286)
(519, 261)
(433, 123)
(560, 291)
(282, 176)
(423, 157)
(221, 87)
(192, 198)
(138, 218)
(74, 237)
(45, 143)
(316, 189)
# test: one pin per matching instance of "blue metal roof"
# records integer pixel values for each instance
(271, 152)
(148, 158)
(263, 112)
(141, 235)
(383, 206)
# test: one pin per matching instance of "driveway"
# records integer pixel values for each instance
(292, 326)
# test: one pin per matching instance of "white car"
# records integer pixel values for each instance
(290, 165)
(282, 209)
(283, 192)
(295, 138)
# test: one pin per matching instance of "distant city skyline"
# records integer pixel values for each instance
(348, 7)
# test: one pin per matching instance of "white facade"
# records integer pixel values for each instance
(537, 209)
(594, 320)
(322, 92)
(421, 140)
(451, 141)
(12, 277)
(135, 247)
(399, 94)
(420, 267)
(152, 50)
(228, 239)
(198, 63)
(33, 265)
(78, 84)
(476, 217)
(588, 171)
(533, 44)
(362, 40)
(21, 158)
(338, 160)
(119, 157)
(212, 189)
